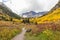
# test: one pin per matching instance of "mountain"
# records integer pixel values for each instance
(4, 9)
(52, 16)
(40, 14)
(33, 14)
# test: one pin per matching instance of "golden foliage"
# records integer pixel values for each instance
(50, 17)
(17, 20)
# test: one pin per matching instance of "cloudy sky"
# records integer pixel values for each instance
(21, 6)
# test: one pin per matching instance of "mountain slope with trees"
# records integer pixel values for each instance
(5, 10)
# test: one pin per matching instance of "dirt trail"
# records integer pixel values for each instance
(20, 36)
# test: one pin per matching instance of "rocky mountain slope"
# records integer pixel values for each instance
(33, 14)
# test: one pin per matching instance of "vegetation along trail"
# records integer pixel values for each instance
(20, 36)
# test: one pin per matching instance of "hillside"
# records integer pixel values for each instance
(4, 9)
(4, 17)
(7, 15)
(51, 17)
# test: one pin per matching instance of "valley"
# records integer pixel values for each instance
(46, 27)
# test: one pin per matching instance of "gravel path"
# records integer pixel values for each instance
(20, 36)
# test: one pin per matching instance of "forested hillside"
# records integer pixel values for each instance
(5, 10)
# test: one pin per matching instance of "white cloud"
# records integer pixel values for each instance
(0, 0)
(20, 6)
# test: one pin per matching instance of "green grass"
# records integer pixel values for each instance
(53, 35)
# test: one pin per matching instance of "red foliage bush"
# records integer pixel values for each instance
(50, 26)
